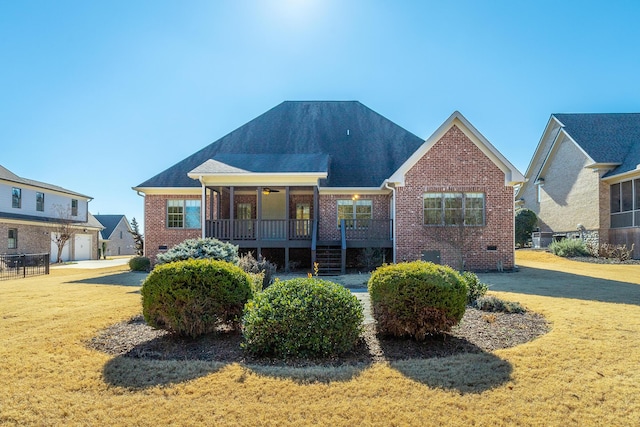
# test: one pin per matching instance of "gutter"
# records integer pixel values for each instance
(393, 216)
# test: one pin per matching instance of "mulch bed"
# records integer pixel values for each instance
(478, 332)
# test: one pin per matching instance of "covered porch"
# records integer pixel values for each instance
(264, 203)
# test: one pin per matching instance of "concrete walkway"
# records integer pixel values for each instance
(94, 263)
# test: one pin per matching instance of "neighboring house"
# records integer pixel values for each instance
(584, 178)
(325, 181)
(29, 212)
(116, 235)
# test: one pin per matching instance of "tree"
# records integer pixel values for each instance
(456, 235)
(526, 221)
(137, 237)
(62, 230)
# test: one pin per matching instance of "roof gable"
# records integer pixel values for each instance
(512, 175)
(110, 223)
(361, 147)
(264, 163)
(611, 138)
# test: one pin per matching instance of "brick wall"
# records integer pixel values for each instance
(155, 228)
(32, 239)
(328, 207)
(455, 164)
(36, 239)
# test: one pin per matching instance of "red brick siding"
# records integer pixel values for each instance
(455, 164)
(328, 207)
(294, 199)
(155, 228)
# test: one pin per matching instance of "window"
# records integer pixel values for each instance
(183, 214)
(13, 238)
(74, 207)
(16, 198)
(40, 202)
(454, 209)
(244, 211)
(615, 198)
(625, 204)
(303, 214)
(356, 213)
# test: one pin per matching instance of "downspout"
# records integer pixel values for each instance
(144, 247)
(203, 208)
(393, 217)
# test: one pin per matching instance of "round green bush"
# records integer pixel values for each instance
(207, 248)
(417, 298)
(140, 263)
(194, 297)
(302, 318)
(475, 288)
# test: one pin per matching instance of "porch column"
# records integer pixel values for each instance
(287, 226)
(232, 233)
(203, 211)
(314, 226)
(259, 222)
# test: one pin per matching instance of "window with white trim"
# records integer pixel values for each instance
(356, 213)
(16, 198)
(40, 202)
(183, 214)
(454, 209)
(13, 238)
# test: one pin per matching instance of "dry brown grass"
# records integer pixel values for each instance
(586, 371)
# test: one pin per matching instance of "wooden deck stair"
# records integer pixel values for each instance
(329, 259)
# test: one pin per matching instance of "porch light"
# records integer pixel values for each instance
(266, 191)
(355, 197)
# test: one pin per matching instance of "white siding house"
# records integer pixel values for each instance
(30, 212)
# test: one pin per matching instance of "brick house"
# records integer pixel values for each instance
(332, 181)
(584, 179)
(29, 212)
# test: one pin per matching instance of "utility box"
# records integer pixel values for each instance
(541, 239)
(431, 256)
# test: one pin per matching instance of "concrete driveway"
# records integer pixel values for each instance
(93, 263)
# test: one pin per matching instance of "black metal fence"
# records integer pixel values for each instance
(23, 265)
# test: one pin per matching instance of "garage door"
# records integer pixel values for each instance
(54, 251)
(82, 247)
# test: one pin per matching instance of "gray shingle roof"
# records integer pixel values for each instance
(606, 138)
(109, 222)
(361, 147)
(265, 163)
(7, 175)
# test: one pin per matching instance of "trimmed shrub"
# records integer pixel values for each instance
(194, 297)
(475, 288)
(569, 248)
(198, 249)
(417, 298)
(256, 266)
(496, 304)
(302, 318)
(140, 263)
(257, 281)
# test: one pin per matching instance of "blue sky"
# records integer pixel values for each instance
(98, 96)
